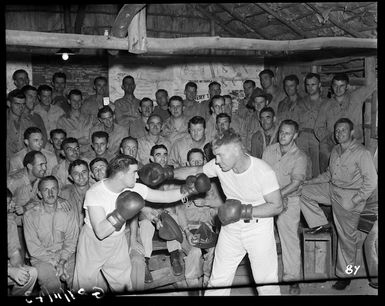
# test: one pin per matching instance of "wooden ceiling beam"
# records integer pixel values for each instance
(168, 46)
(335, 22)
(242, 20)
(216, 19)
(287, 23)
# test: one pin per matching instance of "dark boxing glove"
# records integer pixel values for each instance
(128, 204)
(232, 211)
(196, 184)
(153, 174)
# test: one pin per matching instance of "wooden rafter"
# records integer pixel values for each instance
(289, 24)
(169, 46)
(335, 22)
(216, 19)
(242, 20)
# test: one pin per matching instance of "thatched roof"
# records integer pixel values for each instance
(270, 21)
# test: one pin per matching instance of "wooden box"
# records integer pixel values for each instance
(317, 256)
(368, 216)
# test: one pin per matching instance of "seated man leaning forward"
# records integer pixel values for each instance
(102, 245)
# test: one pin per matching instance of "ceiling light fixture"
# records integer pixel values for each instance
(65, 53)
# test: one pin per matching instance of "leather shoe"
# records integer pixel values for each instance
(294, 289)
(341, 284)
(147, 274)
(176, 265)
(319, 229)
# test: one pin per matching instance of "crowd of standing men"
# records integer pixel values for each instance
(73, 164)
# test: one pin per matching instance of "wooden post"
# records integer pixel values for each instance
(370, 122)
(137, 34)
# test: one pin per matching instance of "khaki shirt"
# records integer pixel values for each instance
(126, 108)
(138, 128)
(308, 112)
(180, 148)
(92, 104)
(194, 109)
(36, 120)
(259, 143)
(211, 128)
(164, 114)
(50, 236)
(171, 132)
(75, 197)
(62, 102)
(77, 127)
(15, 133)
(252, 125)
(351, 108)
(90, 155)
(13, 236)
(288, 167)
(145, 144)
(114, 137)
(288, 109)
(21, 188)
(51, 117)
(278, 96)
(353, 169)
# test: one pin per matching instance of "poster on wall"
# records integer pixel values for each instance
(155, 74)
(15, 62)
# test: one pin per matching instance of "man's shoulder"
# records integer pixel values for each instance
(34, 208)
(260, 165)
(20, 154)
(17, 175)
(48, 153)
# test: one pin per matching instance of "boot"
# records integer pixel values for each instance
(147, 274)
(176, 265)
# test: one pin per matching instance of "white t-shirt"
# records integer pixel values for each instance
(249, 186)
(100, 195)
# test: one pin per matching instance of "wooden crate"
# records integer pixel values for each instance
(317, 256)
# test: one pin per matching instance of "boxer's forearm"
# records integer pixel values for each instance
(183, 172)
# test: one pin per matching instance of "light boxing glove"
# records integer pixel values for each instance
(128, 204)
(195, 184)
(232, 211)
(154, 174)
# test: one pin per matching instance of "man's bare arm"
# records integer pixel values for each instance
(183, 172)
(271, 208)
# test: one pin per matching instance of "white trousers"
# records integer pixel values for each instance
(109, 255)
(234, 241)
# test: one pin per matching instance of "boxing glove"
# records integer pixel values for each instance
(153, 174)
(128, 204)
(232, 211)
(196, 184)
